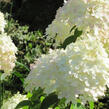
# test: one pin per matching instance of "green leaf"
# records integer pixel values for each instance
(71, 38)
(57, 108)
(72, 106)
(35, 106)
(23, 104)
(30, 45)
(37, 94)
(76, 106)
(91, 104)
(49, 100)
(25, 107)
(29, 95)
(42, 98)
(18, 74)
(22, 65)
(72, 28)
(22, 80)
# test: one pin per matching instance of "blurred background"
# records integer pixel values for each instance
(36, 13)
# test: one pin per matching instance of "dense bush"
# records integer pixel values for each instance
(30, 46)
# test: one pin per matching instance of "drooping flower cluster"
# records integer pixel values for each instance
(2, 22)
(85, 14)
(7, 49)
(79, 70)
(7, 53)
(12, 102)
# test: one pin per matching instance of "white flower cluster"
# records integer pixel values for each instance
(81, 70)
(85, 14)
(7, 53)
(7, 50)
(2, 22)
(12, 102)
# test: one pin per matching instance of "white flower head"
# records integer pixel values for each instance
(79, 70)
(7, 53)
(2, 22)
(85, 14)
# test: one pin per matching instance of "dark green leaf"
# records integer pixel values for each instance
(22, 65)
(72, 28)
(23, 103)
(49, 100)
(37, 94)
(71, 38)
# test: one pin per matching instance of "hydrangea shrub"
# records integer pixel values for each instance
(82, 69)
